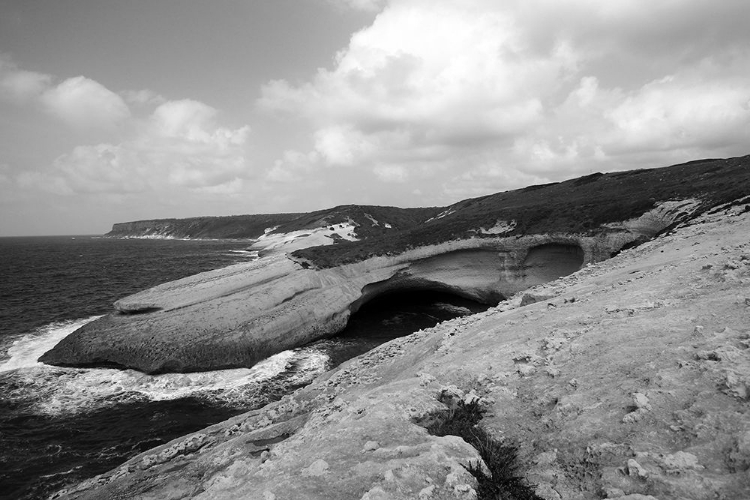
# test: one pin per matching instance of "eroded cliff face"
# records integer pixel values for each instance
(242, 314)
(629, 380)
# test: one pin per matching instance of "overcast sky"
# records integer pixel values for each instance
(113, 111)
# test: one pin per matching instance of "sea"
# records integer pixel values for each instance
(59, 426)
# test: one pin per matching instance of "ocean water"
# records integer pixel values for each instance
(59, 426)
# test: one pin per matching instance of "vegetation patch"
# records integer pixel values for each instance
(503, 481)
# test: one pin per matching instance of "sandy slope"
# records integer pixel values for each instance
(630, 377)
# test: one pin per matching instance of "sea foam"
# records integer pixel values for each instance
(24, 351)
(56, 390)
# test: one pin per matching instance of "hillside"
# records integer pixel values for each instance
(583, 206)
(365, 218)
(235, 226)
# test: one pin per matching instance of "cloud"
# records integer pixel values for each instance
(364, 5)
(293, 166)
(20, 86)
(167, 149)
(178, 147)
(85, 103)
(143, 97)
(80, 102)
(391, 173)
(677, 112)
(493, 95)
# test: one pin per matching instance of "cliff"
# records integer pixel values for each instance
(238, 226)
(627, 379)
(365, 220)
(485, 249)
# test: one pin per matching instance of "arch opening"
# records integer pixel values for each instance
(393, 314)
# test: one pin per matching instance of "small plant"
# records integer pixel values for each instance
(501, 459)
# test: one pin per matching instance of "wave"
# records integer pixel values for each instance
(57, 391)
(250, 254)
(23, 351)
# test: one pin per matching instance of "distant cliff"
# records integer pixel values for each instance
(577, 206)
(235, 226)
(369, 221)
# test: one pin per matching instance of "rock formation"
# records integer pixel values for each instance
(236, 226)
(627, 379)
(484, 249)
(244, 313)
(370, 220)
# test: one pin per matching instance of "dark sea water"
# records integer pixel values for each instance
(59, 426)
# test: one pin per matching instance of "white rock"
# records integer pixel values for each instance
(317, 468)
(635, 469)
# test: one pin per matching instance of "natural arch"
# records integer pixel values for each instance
(395, 314)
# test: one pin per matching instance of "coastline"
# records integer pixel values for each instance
(629, 377)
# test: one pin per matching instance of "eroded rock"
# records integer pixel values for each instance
(239, 315)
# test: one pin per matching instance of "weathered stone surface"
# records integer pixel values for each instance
(242, 314)
(692, 442)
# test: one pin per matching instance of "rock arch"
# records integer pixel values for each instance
(239, 315)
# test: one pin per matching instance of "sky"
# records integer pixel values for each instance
(113, 111)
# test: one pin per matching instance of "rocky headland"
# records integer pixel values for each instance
(244, 313)
(486, 249)
(628, 379)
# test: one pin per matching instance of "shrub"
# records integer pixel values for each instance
(501, 459)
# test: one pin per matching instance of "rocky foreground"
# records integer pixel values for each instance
(628, 379)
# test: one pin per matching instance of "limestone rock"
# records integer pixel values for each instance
(317, 468)
(239, 315)
(635, 469)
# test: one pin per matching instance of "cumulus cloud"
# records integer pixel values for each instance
(169, 147)
(83, 102)
(391, 173)
(495, 95)
(79, 101)
(19, 85)
(143, 97)
(179, 146)
(293, 166)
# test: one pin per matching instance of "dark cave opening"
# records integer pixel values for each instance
(392, 315)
